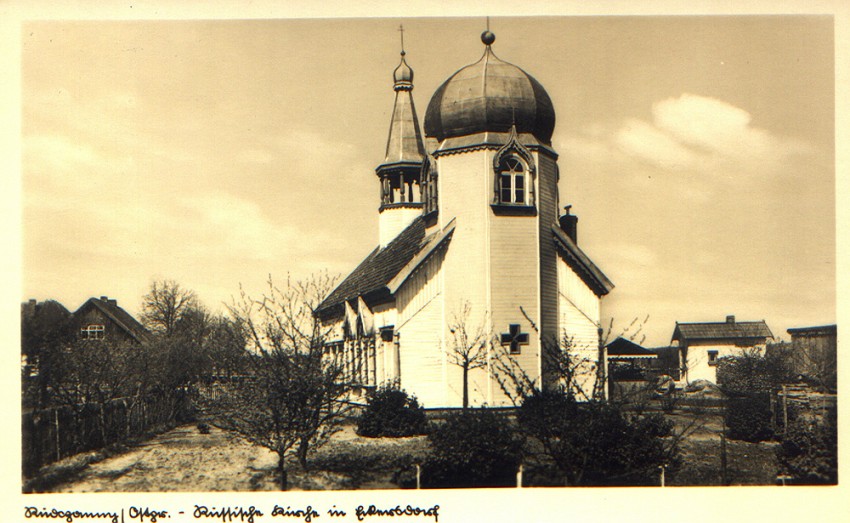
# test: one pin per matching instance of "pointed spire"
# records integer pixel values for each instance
(404, 144)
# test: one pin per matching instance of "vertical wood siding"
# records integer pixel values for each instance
(420, 314)
(547, 216)
(579, 321)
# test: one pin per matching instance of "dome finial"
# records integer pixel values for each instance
(403, 74)
(487, 37)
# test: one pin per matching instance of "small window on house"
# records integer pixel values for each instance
(512, 186)
(92, 332)
(712, 357)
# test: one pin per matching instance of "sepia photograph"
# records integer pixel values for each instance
(443, 252)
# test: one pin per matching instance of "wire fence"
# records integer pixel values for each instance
(55, 433)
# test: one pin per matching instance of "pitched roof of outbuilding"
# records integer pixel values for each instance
(721, 330)
(623, 348)
(119, 316)
(371, 277)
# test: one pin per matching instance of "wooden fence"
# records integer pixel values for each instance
(52, 434)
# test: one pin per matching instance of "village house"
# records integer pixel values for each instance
(702, 345)
(102, 319)
(469, 214)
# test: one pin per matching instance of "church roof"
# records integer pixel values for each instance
(371, 277)
(490, 95)
(729, 329)
(582, 264)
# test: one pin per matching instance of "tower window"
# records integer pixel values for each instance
(512, 181)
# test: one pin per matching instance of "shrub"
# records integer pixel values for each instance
(596, 443)
(748, 418)
(476, 448)
(391, 412)
(751, 373)
(809, 450)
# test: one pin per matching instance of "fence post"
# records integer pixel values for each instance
(663, 469)
(418, 476)
(784, 410)
(58, 441)
(723, 472)
(519, 477)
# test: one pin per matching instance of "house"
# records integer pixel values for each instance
(469, 220)
(102, 319)
(701, 345)
(814, 354)
(629, 367)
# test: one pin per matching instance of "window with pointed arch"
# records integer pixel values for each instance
(513, 182)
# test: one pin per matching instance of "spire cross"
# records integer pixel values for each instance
(401, 30)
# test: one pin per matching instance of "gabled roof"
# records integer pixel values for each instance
(581, 263)
(119, 316)
(623, 348)
(727, 330)
(371, 277)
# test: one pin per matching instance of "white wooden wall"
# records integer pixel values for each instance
(579, 320)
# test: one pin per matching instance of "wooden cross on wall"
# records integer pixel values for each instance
(514, 337)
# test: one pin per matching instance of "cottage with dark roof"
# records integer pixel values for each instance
(102, 319)
(701, 345)
(469, 215)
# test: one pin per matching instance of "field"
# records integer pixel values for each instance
(184, 459)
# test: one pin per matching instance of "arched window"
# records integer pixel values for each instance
(513, 182)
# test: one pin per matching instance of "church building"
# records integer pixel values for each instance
(469, 221)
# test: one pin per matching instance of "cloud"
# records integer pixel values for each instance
(642, 140)
(692, 134)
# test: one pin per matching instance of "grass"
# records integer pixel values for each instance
(349, 461)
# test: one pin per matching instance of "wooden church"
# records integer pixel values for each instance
(469, 220)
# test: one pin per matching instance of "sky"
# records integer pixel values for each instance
(698, 153)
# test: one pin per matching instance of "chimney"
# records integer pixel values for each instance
(569, 224)
(730, 318)
(112, 302)
(104, 298)
(32, 302)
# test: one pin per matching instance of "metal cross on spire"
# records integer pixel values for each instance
(401, 31)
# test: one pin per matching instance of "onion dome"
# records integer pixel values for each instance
(403, 76)
(490, 95)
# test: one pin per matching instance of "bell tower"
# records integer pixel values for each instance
(401, 190)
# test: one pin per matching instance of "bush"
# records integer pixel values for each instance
(751, 373)
(476, 448)
(391, 412)
(596, 443)
(748, 418)
(809, 451)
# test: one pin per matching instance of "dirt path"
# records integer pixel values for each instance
(182, 459)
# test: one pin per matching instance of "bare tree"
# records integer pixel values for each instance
(293, 397)
(469, 347)
(92, 373)
(165, 305)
